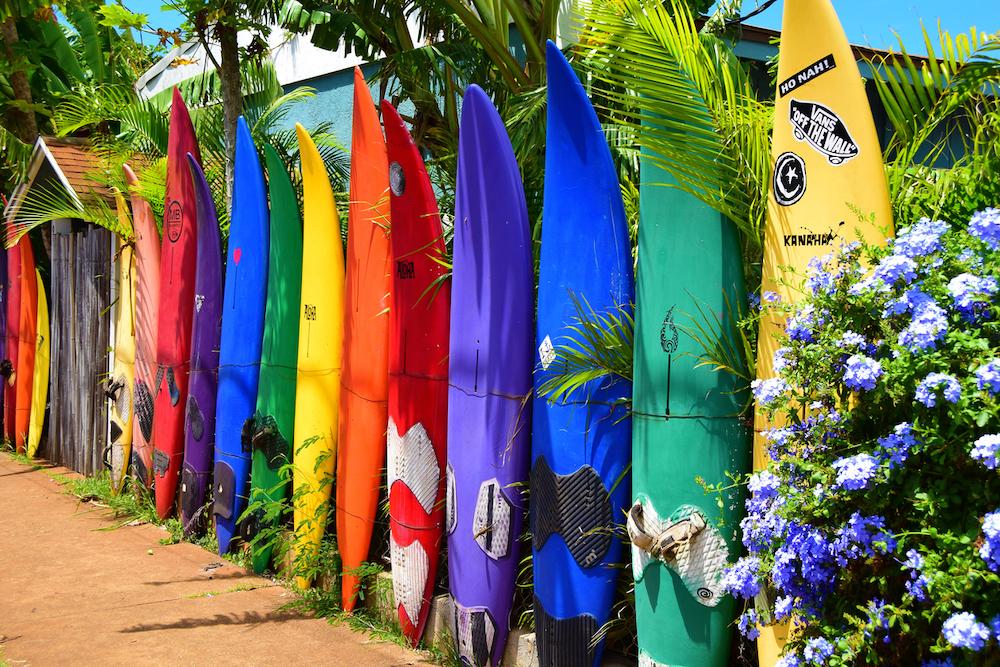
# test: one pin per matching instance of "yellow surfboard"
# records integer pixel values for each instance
(826, 169)
(321, 326)
(122, 378)
(40, 382)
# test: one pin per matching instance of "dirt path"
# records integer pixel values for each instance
(71, 593)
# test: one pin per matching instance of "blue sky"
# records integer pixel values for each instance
(867, 22)
(872, 22)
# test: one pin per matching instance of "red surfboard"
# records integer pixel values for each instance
(11, 337)
(178, 259)
(418, 379)
(27, 340)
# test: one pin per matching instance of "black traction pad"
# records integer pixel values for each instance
(266, 437)
(564, 642)
(116, 431)
(161, 462)
(190, 502)
(471, 629)
(144, 409)
(225, 489)
(576, 506)
(195, 418)
(175, 391)
(139, 468)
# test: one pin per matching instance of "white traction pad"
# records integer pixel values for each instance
(699, 562)
(411, 460)
(409, 576)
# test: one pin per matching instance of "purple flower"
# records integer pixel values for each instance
(985, 226)
(970, 293)
(917, 585)
(990, 550)
(986, 450)
(789, 659)
(818, 279)
(851, 339)
(742, 577)
(784, 606)
(861, 372)
(855, 472)
(768, 391)
(898, 444)
(988, 376)
(927, 389)
(910, 302)
(747, 623)
(877, 620)
(921, 239)
(799, 326)
(817, 651)
(863, 535)
(995, 627)
(894, 268)
(963, 630)
(781, 360)
(928, 326)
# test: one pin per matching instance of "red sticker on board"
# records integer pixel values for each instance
(236, 255)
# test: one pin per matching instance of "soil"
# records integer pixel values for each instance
(74, 589)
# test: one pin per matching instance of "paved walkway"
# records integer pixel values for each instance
(73, 594)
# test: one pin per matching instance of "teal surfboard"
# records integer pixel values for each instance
(686, 424)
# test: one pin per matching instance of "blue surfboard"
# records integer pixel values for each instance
(242, 332)
(580, 446)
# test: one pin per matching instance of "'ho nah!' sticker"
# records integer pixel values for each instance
(823, 130)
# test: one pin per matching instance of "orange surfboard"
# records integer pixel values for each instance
(24, 369)
(365, 381)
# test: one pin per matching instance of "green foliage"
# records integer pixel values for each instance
(687, 100)
(944, 112)
(868, 524)
(597, 349)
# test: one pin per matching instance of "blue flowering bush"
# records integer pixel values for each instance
(875, 530)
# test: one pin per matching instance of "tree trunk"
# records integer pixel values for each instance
(25, 126)
(232, 98)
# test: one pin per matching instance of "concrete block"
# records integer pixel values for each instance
(439, 623)
(379, 598)
(520, 650)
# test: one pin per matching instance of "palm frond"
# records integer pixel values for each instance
(598, 348)
(686, 99)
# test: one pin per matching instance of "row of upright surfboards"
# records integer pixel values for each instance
(24, 328)
(348, 364)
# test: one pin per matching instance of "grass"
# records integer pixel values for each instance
(136, 505)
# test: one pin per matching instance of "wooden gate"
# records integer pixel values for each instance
(80, 298)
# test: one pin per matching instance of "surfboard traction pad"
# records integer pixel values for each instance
(576, 506)
(194, 492)
(475, 632)
(699, 561)
(261, 432)
(411, 461)
(225, 490)
(121, 398)
(195, 418)
(491, 522)
(564, 642)
(144, 409)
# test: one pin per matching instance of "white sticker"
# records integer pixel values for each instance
(546, 353)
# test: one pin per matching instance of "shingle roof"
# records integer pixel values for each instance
(79, 164)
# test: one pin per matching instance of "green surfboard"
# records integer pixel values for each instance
(275, 416)
(685, 426)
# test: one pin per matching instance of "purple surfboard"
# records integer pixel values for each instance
(490, 379)
(206, 327)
